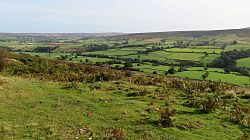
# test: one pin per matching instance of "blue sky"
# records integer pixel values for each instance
(122, 15)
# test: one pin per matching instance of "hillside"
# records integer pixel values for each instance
(214, 56)
(55, 35)
(51, 99)
(245, 32)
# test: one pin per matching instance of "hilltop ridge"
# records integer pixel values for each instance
(244, 32)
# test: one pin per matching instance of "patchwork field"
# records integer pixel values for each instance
(141, 86)
(154, 55)
(215, 76)
(245, 62)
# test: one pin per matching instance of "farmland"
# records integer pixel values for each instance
(124, 70)
(147, 55)
(78, 101)
(117, 88)
(244, 62)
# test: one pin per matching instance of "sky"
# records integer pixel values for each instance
(128, 16)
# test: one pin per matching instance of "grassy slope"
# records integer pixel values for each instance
(31, 109)
(245, 62)
(237, 47)
(197, 50)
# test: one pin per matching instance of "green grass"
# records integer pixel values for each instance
(8, 43)
(114, 52)
(209, 69)
(178, 56)
(237, 47)
(210, 58)
(134, 49)
(196, 50)
(168, 56)
(186, 56)
(31, 109)
(90, 59)
(150, 56)
(215, 76)
(245, 62)
(148, 68)
(24, 47)
(45, 55)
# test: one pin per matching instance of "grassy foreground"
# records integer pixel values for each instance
(31, 109)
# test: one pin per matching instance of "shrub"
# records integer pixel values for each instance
(204, 76)
(128, 73)
(116, 133)
(245, 135)
(206, 104)
(241, 115)
(2, 60)
(166, 115)
(140, 92)
(128, 65)
(172, 70)
(182, 68)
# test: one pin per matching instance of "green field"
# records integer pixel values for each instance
(159, 53)
(245, 62)
(45, 55)
(114, 52)
(150, 69)
(92, 60)
(196, 50)
(134, 49)
(215, 76)
(237, 47)
(164, 56)
(202, 68)
(186, 56)
(210, 58)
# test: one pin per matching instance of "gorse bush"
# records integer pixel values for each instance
(207, 104)
(59, 71)
(166, 115)
(241, 115)
(2, 59)
(138, 92)
(116, 134)
(56, 70)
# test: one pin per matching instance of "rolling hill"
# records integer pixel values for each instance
(244, 32)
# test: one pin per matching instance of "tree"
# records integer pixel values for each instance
(204, 76)
(223, 47)
(235, 42)
(245, 72)
(86, 60)
(172, 70)
(128, 65)
(182, 68)
(227, 70)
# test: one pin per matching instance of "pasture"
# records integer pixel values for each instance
(94, 113)
(245, 62)
(216, 76)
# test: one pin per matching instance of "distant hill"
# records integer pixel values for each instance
(244, 32)
(57, 35)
